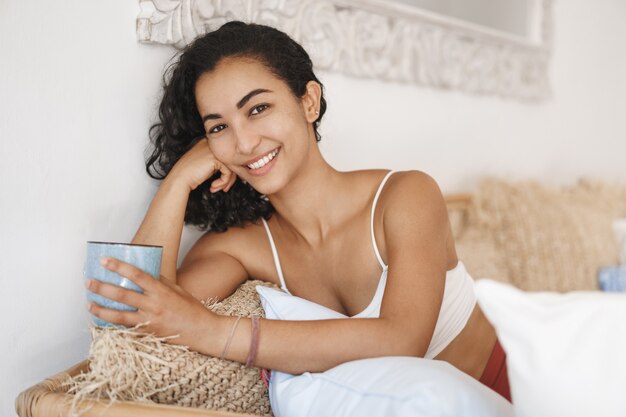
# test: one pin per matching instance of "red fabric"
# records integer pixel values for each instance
(265, 375)
(495, 375)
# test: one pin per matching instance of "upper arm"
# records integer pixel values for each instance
(209, 271)
(416, 227)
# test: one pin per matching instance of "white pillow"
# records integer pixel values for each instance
(282, 306)
(377, 387)
(565, 352)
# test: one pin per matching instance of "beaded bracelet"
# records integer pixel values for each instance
(254, 342)
(230, 338)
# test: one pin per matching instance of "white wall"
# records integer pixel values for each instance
(77, 94)
(457, 138)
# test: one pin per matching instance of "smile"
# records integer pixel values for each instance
(261, 162)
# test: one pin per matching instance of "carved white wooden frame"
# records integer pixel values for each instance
(376, 39)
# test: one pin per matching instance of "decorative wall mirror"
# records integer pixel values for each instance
(497, 47)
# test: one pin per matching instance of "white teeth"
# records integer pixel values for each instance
(263, 161)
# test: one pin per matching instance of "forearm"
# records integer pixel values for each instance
(163, 223)
(315, 346)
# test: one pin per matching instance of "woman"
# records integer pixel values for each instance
(236, 147)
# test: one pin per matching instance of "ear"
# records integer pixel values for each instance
(311, 101)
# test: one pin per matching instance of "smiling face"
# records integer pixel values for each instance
(254, 123)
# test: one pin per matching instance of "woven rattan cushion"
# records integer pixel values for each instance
(551, 239)
(132, 366)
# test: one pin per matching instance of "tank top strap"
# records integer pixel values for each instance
(279, 269)
(380, 188)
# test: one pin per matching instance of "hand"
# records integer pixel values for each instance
(198, 165)
(168, 309)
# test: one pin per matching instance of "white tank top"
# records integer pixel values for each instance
(458, 301)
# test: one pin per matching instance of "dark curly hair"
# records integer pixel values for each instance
(180, 126)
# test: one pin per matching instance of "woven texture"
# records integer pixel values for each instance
(547, 239)
(126, 365)
(480, 253)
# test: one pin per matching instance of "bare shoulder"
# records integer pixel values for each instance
(367, 175)
(218, 263)
(235, 242)
(412, 182)
(412, 190)
(411, 212)
(406, 193)
(411, 202)
(246, 245)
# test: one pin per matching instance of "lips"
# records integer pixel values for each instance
(263, 164)
(261, 161)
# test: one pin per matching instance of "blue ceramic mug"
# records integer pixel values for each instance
(144, 257)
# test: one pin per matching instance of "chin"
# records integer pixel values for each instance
(266, 185)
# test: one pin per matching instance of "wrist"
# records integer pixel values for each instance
(215, 334)
(176, 182)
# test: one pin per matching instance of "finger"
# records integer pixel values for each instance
(125, 318)
(136, 275)
(221, 167)
(222, 182)
(217, 185)
(167, 282)
(231, 182)
(116, 293)
(175, 287)
(172, 286)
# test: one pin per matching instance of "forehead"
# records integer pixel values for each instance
(232, 78)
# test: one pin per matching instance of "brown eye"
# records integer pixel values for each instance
(217, 129)
(258, 109)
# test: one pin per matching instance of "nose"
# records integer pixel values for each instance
(247, 140)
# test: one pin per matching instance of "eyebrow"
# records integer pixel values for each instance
(240, 103)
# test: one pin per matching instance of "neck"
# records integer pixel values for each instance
(307, 207)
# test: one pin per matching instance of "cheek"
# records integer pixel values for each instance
(286, 125)
(222, 149)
